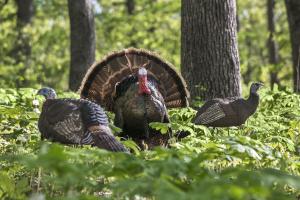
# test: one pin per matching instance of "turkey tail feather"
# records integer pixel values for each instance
(108, 142)
(99, 82)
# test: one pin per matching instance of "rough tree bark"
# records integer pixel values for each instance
(293, 12)
(209, 53)
(22, 49)
(272, 44)
(82, 40)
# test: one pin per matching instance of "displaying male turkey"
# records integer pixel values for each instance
(229, 111)
(138, 86)
(75, 121)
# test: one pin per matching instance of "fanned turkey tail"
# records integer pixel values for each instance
(108, 142)
(99, 82)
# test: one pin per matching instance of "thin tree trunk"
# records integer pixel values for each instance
(209, 53)
(25, 12)
(22, 50)
(130, 5)
(82, 40)
(272, 44)
(293, 13)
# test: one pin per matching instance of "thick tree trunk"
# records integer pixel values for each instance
(209, 54)
(293, 12)
(82, 40)
(22, 50)
(272, 44)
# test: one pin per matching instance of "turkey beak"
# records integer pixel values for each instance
(261, 85)
(39, 92)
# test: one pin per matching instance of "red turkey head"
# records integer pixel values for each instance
(143, 82)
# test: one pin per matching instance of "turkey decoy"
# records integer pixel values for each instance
(75, 121)
(138, 86)
(228, 111)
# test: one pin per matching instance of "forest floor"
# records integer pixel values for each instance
(259, 160)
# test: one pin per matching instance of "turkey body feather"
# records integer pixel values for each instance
(117, 84)
(75, 121)
(231, 111)
(132, 108)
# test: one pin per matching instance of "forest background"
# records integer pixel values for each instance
(153, 25)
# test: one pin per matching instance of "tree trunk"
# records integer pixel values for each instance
(272, 44)
(82, 40)
(130, 5)
(238, 24)
(293, 13)
(209, 52)
(25, 12)
(22, 50)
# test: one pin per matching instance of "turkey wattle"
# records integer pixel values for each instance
(75, 121)
(138, 86)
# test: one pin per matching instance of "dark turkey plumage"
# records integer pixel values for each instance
(137, 86)
(228, 111)
(75, 121)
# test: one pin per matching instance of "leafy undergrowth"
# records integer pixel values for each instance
(259, 160)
